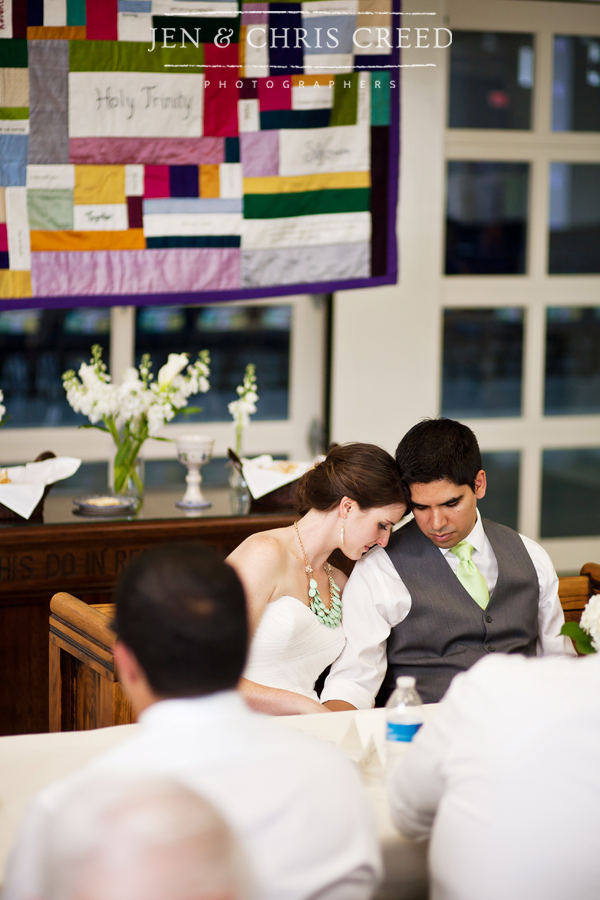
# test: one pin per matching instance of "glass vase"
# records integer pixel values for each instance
(240, 497)
(127, 479)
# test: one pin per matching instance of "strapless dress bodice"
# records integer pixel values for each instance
(291, 647)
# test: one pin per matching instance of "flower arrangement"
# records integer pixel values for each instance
(587, 634)
(137, 408)
(241, 409)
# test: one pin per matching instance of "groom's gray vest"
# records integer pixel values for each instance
(445, 631)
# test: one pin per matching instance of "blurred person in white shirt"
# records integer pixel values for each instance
(296, 804)
(506, 781)
(150, 840)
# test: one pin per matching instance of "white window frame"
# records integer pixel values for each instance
(532, 432)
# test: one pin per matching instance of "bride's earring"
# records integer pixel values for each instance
(342, 533)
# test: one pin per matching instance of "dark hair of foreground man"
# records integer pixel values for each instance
(182, 612)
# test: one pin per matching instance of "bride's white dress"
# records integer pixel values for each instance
(291, 647)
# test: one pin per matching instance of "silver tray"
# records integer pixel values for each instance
(119, 505)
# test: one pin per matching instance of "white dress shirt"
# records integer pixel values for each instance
(297, 805)
(505, 778)
(376, 599)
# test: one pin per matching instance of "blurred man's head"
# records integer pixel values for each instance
(440, 461)
(181, 625)
(151, 840)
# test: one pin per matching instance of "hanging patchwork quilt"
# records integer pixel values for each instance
(156, 151)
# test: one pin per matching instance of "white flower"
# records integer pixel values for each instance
(131, 376)
(590, 620)
(174, 365)
(138, 407)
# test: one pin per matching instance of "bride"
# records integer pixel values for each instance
(349, 501)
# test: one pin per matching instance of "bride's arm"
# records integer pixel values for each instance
(276, 702)
(260, 564)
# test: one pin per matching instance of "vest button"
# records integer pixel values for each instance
(491, 649)
(488, 619)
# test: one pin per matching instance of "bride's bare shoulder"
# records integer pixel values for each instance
(265, 548)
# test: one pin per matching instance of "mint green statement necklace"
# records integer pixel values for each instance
(329, 615)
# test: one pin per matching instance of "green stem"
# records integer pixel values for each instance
(239, 431)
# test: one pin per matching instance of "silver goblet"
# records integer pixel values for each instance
(194, 450)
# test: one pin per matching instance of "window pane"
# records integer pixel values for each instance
(576, 84)
(501, 501)
(235, 336)
(574, 218)
(491, 77)
(572, 361)
(570, 493)
(486, 218)
(482, 363)
(36, 347)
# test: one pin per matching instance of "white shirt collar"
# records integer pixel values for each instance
(476, 538)
(223, 704)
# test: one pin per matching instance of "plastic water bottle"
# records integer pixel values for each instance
(403, 719)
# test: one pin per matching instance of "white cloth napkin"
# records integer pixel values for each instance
(27, 482)
(263, 474)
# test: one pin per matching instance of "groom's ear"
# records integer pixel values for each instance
(480, 484)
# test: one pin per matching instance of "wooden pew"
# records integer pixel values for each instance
(84, 686)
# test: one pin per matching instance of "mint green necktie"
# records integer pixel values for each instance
(469, 575)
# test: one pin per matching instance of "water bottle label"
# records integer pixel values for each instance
(400, 731)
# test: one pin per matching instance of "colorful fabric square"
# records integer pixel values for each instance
(76, 12)
(220, 91)
(193, 159)
(232, 150)
(157, 181)
(330, 33)
(99, 184)
(345, 100)
(183, 181)
(209, 181)
(285, 52)
(277, 96)
(50, 210)
(35, 12)
(101, 20)
(380, 98)
(260, 154)
(13, 159)
(49, 101)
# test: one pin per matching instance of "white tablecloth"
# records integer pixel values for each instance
(29, 762)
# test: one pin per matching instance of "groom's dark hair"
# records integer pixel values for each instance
(436, 449)
(181, 610)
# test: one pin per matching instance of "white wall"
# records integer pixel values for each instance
(386, 359)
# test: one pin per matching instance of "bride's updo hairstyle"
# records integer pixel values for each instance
(363, 472)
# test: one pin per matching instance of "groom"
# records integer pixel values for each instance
(449, 588)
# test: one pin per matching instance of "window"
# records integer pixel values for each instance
(574, 218)
(486, 219)
(576, 84)
(233, 335)
(491, 80)
(36, 347)
(482, 362)
(571, 493)
(572, 361)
